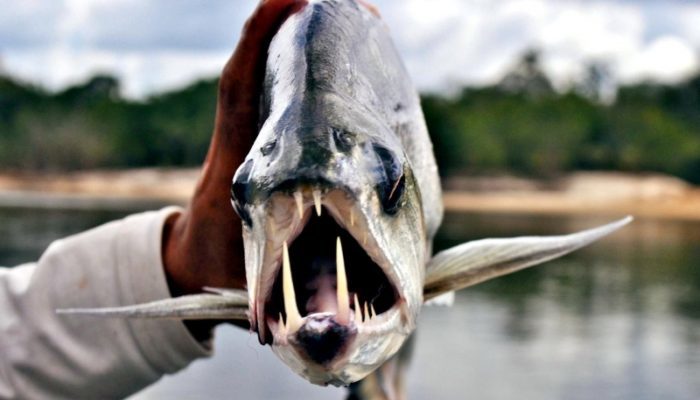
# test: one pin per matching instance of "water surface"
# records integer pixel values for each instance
(617, 320)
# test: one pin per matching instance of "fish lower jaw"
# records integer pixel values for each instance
(363, 347)
(373, 324)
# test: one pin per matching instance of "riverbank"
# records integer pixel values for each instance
(599, 193)
(119, 189)
(652, 196)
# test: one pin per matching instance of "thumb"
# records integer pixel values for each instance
(241, 80)
(240, 86)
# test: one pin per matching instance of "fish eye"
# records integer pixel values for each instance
(268, 147)
(240, 191)
(392, 180)
(344, 140)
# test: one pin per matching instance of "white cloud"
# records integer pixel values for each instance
(154, 45)
(475, 42)
(151, 45)
(140, 74)
(667, 58)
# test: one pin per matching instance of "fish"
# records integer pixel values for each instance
(340, 200)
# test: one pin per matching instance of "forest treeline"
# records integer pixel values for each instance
(521, 125)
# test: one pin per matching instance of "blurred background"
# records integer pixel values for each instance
(547, 116)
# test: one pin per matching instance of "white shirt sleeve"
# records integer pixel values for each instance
(46, 355)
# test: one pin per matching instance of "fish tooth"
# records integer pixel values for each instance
(358, 311)
(299, 198)
(290, 301)
(317, 201)
(282, 329)
(366, 313)
(372, 312)
(343, 315)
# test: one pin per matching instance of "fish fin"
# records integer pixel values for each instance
(197, 306)
(239, 294)
(474, 262)
(442, 300)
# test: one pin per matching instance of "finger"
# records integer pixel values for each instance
(371, 7)
(241, 80)
(237, 113)
(203, 247)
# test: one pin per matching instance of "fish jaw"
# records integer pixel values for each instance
(373, 343)
(367, 195)
(329, 337)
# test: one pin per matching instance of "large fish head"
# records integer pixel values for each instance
(328, 186)
(324, 185)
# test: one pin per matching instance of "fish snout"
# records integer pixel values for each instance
(306, 157)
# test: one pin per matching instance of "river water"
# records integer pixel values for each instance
(617, 320)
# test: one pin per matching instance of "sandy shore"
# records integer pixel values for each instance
(653, 196)
(608, 194)
(137, 188)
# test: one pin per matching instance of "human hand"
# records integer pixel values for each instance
(203, 246)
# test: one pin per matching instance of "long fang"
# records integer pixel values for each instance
(343, 315)
(317, 201)
(358, 311)
(290, 301)
(298, 197)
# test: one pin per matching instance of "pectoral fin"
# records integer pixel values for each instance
(227, 304)
(475, 262)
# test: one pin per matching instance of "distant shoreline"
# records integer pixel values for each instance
(112, 189)
(605, 194)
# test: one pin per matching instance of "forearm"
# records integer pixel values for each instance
(45, 355)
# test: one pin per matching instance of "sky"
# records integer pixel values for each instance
(158, 45)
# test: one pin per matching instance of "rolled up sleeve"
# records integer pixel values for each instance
(46, 355)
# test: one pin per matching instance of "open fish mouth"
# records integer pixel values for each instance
(324, 277)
